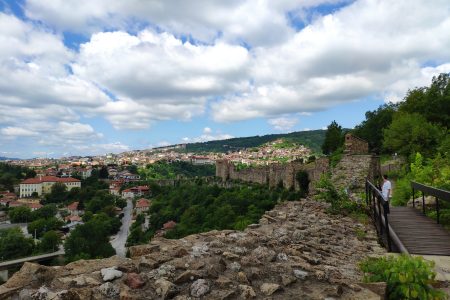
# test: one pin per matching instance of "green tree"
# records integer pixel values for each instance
(40, 226)
(58, 193)
(13, 244)
(47, 211)
(371, 129)
(103, 173)
(89, 240)
(333, 138)
(21, 214)
(50, 241)
(432, 102)
(411, 133)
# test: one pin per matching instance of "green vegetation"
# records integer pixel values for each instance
(172, 170)
(11, 175)
(137, 235)
(198, 208)
(312, 139)
(339, 200)
(91, 240)
(406, 277)
(334, 138)
(13, 244)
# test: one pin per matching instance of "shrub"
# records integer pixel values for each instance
(339, 200)
(406, 277)
(402, 192)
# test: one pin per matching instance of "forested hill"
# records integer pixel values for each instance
(312, 139)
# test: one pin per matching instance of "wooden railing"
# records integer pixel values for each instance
(379, 211)
(428, 190)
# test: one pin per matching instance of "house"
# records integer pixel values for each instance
(142, 205)
(85, 173)
(74, 209)
(43, 185)
(169, 225)
(127, 176)
(136, 191)
(201, 160)
(13, 204)
(114, 187)
(73, 219)
(34, 206)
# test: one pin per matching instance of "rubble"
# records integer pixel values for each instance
(302, 253)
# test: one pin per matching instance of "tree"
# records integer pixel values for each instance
(40, 226)
(50, 241)
(103, 173)
(433, 102)
(13, 244)
(333, 138)
(411, 133)
(47, 211)
(372, 128)
(89, 240)
(58, 193)
(21, 214)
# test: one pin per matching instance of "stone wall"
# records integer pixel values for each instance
(351, 172)
(296, 251)
(355, 145)
(273, 174)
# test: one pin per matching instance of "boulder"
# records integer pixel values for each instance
(134, 281)
(109, 274)
(164, 288)
(199, 288)
(269, 288)
(109, 290)
(247, 291)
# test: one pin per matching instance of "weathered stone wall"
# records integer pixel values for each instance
(351, 172)
(273, 174)
(355, 145)
(296, 251)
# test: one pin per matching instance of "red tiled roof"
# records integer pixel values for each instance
(38, 180)
(72, 206)
(16, 204)
(34, 205)
(141, 203)
(73, 218)
(169, 225)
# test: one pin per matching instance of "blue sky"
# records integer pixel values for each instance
(91, 77)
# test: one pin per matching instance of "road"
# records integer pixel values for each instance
(120, 239)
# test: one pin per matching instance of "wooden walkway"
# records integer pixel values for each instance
(418, 233)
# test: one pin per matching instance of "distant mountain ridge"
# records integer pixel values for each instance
(7, 158)
(312, 139)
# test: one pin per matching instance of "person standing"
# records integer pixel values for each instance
(386, 189)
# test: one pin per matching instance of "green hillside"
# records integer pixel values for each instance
(312, 139)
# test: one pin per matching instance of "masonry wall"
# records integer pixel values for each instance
(355, 145)
(273, 174)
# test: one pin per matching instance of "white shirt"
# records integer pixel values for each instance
(386, 189)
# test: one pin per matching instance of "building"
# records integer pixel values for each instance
(74, 209)
(43, 185)
(136, 191)
(34, 206)
(142, 205)
(201, 160)
(127, 176)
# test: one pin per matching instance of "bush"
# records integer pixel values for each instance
(406, 277)
(402, 192)
(339, 200)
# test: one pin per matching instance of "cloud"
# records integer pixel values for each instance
(17, 132)
(255, 22)
(208, 135)
(283, 123)
(156, 76)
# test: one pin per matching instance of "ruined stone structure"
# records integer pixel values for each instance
(355, 145)
(296, 251)
(273, 174)
(356, 166)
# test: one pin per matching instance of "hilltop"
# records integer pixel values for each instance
(312, 139)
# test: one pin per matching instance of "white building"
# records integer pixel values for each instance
(43, 185)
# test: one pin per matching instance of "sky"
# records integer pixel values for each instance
(87, 77)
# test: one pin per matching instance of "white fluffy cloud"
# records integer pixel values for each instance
(283, 123)
(367, 48)
(256, 22)
(156, 76)
(147, 61)
(208, 135)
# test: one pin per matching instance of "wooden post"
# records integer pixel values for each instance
(386, 223)
(437, 209)
(414, 201)
(423, 203)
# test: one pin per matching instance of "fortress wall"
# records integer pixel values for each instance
(355, 145)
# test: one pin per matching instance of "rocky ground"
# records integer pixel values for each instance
(297, 251)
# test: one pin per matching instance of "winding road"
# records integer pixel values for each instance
(120, 239)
